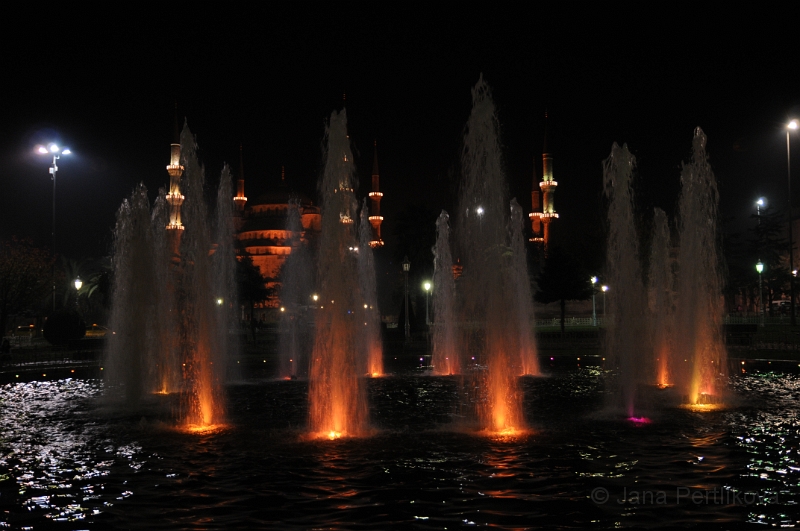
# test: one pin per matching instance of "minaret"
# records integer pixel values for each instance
(239, 200)
(540, 220)
(175, 171)
(375, 218)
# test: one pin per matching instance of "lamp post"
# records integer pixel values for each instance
(604, 288)
(56, 152)
(760, 269)
(406, 269)
(594, 312)
(78, 284)
(427, 287)
(791, 126)
(761, 201)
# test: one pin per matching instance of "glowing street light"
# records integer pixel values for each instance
(760, 269)
(406, 268)
(604, 288)
(56, 152)
(791, 126)
(427, 287)
(761, 202)
(78, 283)
(594, 312)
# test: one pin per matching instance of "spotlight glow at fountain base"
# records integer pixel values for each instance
(505, 434)
(203, 429)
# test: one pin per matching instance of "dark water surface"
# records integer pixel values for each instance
(69, 462)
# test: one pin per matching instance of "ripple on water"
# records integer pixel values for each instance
(63, 458)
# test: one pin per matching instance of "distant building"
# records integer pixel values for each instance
(262, 231)
(261, 223)
(543, 197)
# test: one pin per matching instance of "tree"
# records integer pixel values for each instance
(771, 245)
(25, 276)
(251, 285)
(562, 279)
(415, 231)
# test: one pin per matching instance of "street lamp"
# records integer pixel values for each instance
(604, 288)
(761, 202)
(760, 269)
(594, 312)
(427, 287)
(406, 269)
(56, 152)
(78, 284)
(791, 126)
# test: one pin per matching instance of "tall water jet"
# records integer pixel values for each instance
(174, 297)
(224, 274)
(445, 352)
(203, 325)
(626, 346)
(521, 292)
(127, 371)
(491, 323)
(661, 301)
(370, 334)
(699, 285)
(337, 395)
(296, 282)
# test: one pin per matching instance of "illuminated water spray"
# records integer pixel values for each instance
(699, 284)
(174, 297)
(446, 359)
(369, 314)
(296, 283)
(337, 395)
(626, 343)
(661, 300)
(678, 342)
(494, 298)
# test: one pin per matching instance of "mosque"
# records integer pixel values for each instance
(263, 236)
(261, 228)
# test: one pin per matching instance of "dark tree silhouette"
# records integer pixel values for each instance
(251, 285)
(25, 278)
(562, 279)
(770, 245)
(415, 231)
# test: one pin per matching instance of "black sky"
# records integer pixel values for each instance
(266, 76)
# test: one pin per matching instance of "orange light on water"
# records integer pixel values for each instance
(203, 429)
(702, 407)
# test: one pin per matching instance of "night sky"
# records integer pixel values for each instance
(267, 76)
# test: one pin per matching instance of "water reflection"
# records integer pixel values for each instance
(62, 458)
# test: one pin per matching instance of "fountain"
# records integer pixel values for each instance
(684, 329)
(370, 335)
(296, 280)
(172, 311)
(495, 307)
(337, 392)
(699, 283)
(445, 357)
(661, 300)
(626, 333)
